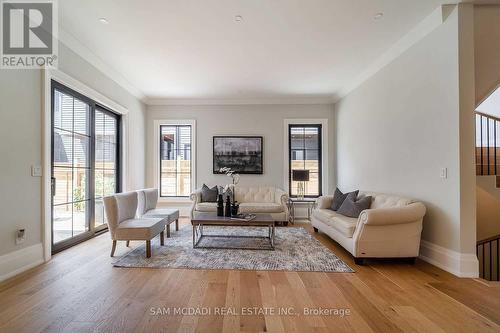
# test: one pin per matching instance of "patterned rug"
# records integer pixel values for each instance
(295, 250)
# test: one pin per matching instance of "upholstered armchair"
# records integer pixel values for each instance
(148, 200)
(123, 225)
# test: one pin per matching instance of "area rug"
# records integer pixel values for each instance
(295, 250)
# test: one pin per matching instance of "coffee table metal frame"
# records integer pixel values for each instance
(211, 219)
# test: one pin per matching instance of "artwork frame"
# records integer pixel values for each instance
(244, 154)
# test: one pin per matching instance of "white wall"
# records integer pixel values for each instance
(21, 145)
(398, 129)
(262, 120)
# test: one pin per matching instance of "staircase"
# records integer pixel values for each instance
(488, 164)
(488, 253)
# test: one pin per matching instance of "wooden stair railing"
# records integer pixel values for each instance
(487, 145)
(488, 254)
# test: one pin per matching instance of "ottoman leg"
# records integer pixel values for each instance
(168, 230)
(177, 225)
(162, 238)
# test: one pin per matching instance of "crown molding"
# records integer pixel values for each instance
(425, 27)
(239, 101)
(76, 46)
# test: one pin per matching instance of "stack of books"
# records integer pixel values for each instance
(243, 217)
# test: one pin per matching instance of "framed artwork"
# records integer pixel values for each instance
(243, 154)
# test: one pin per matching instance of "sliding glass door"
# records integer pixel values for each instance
(85, 165)
(70, 167)
(106, 161)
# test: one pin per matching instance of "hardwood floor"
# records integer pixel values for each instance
(80, 291)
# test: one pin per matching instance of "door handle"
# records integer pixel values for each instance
(53, 186)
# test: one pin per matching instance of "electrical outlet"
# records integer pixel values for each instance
(20, 236)
(36, 171)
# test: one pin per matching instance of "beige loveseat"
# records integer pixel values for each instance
(391, 228)
(258, 199)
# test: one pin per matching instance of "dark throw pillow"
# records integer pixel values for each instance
(352, 207)
(339, 197)
(209, 194)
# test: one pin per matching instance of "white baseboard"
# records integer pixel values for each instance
(16, 262)
(464, 265)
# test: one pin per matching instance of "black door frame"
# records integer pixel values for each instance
(57, 247)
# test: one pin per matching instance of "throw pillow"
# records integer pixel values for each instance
(226, 194)
(209, 194)
(339, 197)
(352, 207)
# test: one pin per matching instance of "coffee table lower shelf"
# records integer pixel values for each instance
(209, 219)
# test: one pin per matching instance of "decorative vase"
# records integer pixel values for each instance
(220, 206)
(228, 207)
(234, 208)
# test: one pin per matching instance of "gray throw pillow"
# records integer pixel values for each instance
(339, 197)
(352, 207)
(226, 194)
(209, 194)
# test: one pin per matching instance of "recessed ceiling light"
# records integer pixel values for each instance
(378, 16)
(103, 20)
(238, 18)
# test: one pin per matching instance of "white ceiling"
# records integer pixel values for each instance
(282, 48)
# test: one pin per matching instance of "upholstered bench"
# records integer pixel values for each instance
(123, 225)
(148, 199)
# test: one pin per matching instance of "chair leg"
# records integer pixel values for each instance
(162, 238)
(168, 230)
(177, 225)
(113, 248)
(148, 249)
(128, 243)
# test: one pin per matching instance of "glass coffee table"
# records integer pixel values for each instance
(211, 219)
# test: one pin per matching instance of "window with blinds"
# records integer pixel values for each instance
(175, 160)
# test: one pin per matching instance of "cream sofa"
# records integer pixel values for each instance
(391, 228)
(258, 199)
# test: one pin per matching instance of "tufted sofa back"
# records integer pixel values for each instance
(255, 194)
(380, 200)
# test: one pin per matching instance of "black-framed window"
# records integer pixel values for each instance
(86, 143)
(175, 160)
(304, 151)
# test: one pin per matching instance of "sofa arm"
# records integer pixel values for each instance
(195, 197)
(281, 197)
(324, 202)
(393, 215)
